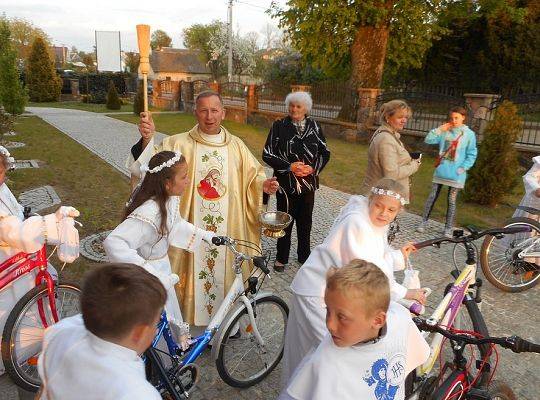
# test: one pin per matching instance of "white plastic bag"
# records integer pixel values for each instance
(68, 249)
(412, 281)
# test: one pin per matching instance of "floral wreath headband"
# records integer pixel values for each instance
(384, 192)
(10, 160)
(167, 164)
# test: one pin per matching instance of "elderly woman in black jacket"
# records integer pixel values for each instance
(296, 150)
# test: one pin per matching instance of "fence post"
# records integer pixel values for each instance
(214, 86)
(74, 86)
(479, 104)
(367, 101)
(252, 100)
(301, 88)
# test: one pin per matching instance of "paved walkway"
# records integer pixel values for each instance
(504, 313)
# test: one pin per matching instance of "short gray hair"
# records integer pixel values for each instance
(208, 93)
(299, 97)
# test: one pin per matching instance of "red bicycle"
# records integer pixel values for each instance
(45, 304)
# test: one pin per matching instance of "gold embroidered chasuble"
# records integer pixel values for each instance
(225, 201)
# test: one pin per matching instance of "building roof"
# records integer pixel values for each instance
(177, 60)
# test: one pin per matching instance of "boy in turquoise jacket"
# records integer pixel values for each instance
(457, 154)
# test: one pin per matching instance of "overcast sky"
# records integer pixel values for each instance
(73, 22)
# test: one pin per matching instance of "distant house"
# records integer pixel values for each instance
(60, 55)
(177, 65)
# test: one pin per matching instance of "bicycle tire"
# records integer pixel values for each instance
(459, 254)
(487, 266)
(221, 363)
(29, 380)
(499, 390)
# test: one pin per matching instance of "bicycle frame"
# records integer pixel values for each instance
(446, 312)
(199, 344)
(23, 263)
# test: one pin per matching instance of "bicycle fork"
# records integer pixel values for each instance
(253, 324)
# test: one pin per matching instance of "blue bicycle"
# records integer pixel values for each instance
(247, 333)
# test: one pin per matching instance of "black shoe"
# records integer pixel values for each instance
(279, 268)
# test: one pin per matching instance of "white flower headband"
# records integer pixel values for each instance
(167, 164)
(10, 160)
(384, 192)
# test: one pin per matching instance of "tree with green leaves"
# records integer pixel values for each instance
(23, 34)
(138, 102)
(199, 37)
(42, 81)
(113, 101)
(132, 62)
(12, 94)
(361, 37)
(159, 40)
(494, 174)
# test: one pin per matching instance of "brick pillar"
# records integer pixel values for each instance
(252, 100)
(214, 86)
(74, 85)
(156, 93)
(175, 95)
(301, 88)
(480, 112)
(367, 100)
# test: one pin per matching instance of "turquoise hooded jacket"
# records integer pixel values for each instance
(464, 156)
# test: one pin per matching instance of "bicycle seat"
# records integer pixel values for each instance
(529, 210)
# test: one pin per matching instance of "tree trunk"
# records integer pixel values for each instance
(368, 52)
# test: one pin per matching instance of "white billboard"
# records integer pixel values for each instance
(108, 51)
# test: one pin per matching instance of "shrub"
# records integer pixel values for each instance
(138, 102)
(43, 83)
(113, 101)
(495, 172)
(12, 93)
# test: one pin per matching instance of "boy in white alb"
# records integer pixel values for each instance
(95, 356)
(372, 346)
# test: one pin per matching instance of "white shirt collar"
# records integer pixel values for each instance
(219, 138)
(111, 349)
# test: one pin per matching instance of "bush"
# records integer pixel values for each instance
(138, 102)
(495, 172)
(12, 93)
(6, 124)
(43, 83)
(113, 101)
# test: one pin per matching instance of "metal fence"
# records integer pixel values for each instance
(271, 97)
(233, 94)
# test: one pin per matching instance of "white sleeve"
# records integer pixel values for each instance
(531, 179)
(28, 235)
(122, 243)
(187, 236)
(417, 348)
(394, 257)
(397, 290)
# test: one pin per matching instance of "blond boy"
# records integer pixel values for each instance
(372, 343)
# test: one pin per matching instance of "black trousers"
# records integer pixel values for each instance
(301, 210)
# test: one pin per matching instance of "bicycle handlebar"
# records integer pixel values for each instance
(514, 343)
(258, 261)
(472, 236)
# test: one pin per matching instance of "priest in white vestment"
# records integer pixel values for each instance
(225, 197)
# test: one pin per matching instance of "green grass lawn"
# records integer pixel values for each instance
(345, 171)
(99, 196)
(77, 105)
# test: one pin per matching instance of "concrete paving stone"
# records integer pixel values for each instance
(505, 313)
(40, 198)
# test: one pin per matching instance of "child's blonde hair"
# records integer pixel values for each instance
(389, 185)
(361, 279)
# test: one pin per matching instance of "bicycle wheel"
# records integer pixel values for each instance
(241, 361)
(24, 329)
(500, 259)
(459, 255)
(499, 390)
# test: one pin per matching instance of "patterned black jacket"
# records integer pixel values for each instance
(286, 145)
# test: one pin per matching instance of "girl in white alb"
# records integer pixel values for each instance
(152, 223)
(20, 235)
(359, 232)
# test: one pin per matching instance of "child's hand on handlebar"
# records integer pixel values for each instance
(408, 249)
